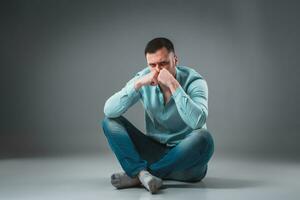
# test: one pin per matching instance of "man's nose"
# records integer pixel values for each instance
(158, 68)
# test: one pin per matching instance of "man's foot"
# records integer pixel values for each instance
(122, 180)
(150, 182)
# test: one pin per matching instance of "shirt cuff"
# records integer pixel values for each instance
(178, 92)
(180, 98)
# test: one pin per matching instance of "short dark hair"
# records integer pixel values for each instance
(158, 43)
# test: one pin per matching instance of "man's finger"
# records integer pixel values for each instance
(156, 74)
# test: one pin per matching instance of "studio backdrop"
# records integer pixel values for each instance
(61, 60)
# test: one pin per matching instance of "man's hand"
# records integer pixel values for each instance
(168, 80)
(148, 79)
(165, 77)
(162, 76)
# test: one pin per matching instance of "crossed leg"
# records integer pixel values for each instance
(135, 152)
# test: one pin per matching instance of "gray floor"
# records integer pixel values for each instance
(87, 177)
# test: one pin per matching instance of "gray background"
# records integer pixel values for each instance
(60, 61)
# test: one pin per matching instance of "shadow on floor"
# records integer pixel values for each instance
(216, 183)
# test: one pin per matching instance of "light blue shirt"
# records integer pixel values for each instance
(186, 110)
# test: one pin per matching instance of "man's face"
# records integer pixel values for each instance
(162, 59)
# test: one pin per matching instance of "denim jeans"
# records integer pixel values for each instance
(187, 161)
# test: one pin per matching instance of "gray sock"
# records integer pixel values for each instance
(150, 182)
(122, 180)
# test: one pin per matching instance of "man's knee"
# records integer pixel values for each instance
(105, 121)
(111, 124)
(204, 141)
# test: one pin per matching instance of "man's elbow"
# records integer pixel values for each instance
(108, 111)
(110, 114)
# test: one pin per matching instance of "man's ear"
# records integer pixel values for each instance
(176, 59)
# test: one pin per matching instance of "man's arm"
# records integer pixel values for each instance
(121, 101)
(193, 105)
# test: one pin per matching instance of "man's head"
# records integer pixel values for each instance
(160, 53)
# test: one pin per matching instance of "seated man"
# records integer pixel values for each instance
(177, 144)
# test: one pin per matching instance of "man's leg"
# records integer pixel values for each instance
(190, 155)
(134, 150)
(193, 174)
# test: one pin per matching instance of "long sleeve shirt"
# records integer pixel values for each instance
(168, 123)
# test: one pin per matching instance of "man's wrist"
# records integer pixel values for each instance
(173, 85)
(137, 85)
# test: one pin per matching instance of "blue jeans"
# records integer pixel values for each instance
(187, 161)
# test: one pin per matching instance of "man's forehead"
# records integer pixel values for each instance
(159, 56)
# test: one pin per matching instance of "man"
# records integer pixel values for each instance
(177, 144)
